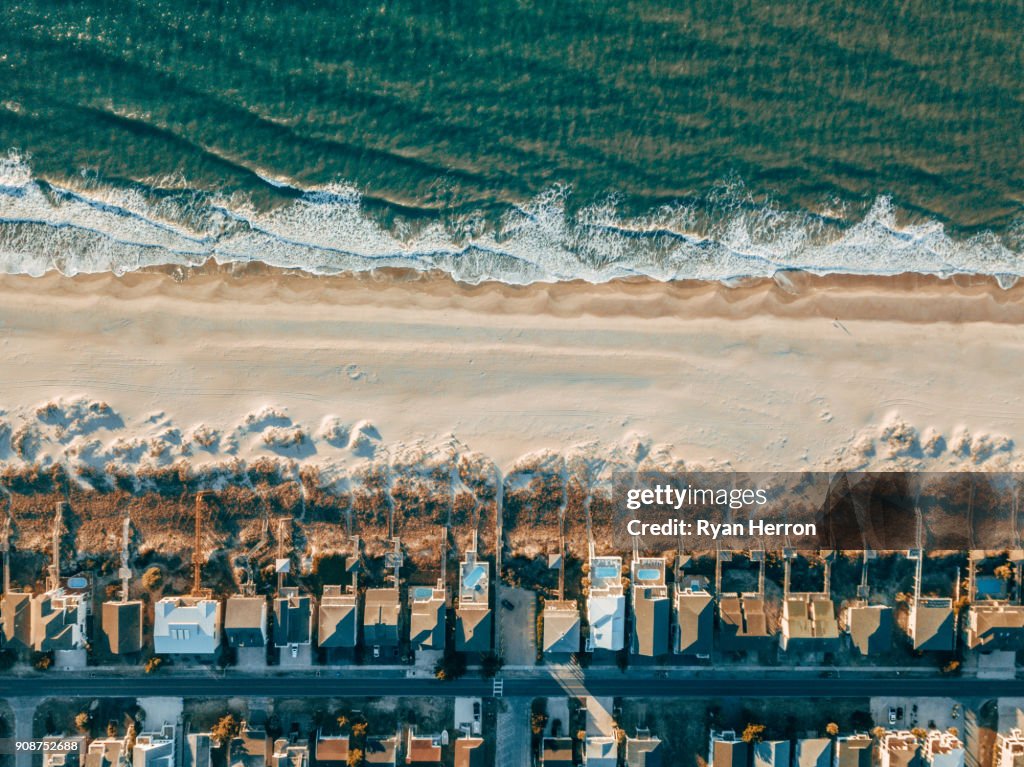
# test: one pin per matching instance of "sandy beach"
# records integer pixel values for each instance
(816, 372)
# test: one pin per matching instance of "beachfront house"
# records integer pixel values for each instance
(772, 753)
(381, 614)
(470, 752)
(606, 605)
(600, 751)
(331, 750)
(422, 749)
(187, 625)
(381, 751)
(556, 752)
(427, 616)
(809, 624)
(994, 626)
(644, 750)
(652, 610)
(854, 751)
(931, 624)
(813, 752)
(561, 633)
(122, 626)
(725, 749)
(198, 750)
(870, 628)
(473, 618)
(293, 626)
(338, 622)
(245, 621)
(16, 616)
(695, 618)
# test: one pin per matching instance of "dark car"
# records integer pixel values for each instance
(507, 605)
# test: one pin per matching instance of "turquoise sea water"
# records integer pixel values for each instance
(517, 140)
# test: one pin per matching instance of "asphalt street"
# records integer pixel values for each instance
(361, 685)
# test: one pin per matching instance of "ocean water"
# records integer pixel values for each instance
(515, 140)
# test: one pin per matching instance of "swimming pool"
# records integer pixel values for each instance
(648, 574)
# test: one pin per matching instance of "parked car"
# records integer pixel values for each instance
(507, 605)
(892, 715)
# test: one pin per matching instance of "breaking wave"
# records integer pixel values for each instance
(91, 226)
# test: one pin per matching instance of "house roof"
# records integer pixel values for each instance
(813, 752)
(338, 612)
(606, 614)
(16, 611)
(995, 626)
(557, 752)
(870, 628)
(197, 750)
(696, 623)
(473, 628)
(107, 752)
(58, 621)
(332, 748)
(289, 754)
(931, 624)
(810, 621)
(652, 612)
(251, 748)
(426, 621)
(422, 749)
(644, 752)
(380, 617)
(854, 751)
(903, 749)
(245, 621)
(122, 626)
(381, 750)
(743, 622)
(729, 753)
(293, 618)
(771, 753)
(601, 751)
(186, 625)
(469, 752)
(561, 626)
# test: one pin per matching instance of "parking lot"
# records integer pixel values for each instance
(516, 625)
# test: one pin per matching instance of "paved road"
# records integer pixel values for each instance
(360, 685)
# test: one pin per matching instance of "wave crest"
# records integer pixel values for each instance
(93, 227)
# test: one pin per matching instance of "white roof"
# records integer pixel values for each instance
(607, 618)
(186, 626)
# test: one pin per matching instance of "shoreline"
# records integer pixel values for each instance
(966, 298)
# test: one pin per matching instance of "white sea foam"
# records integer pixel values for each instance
(96, 227)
